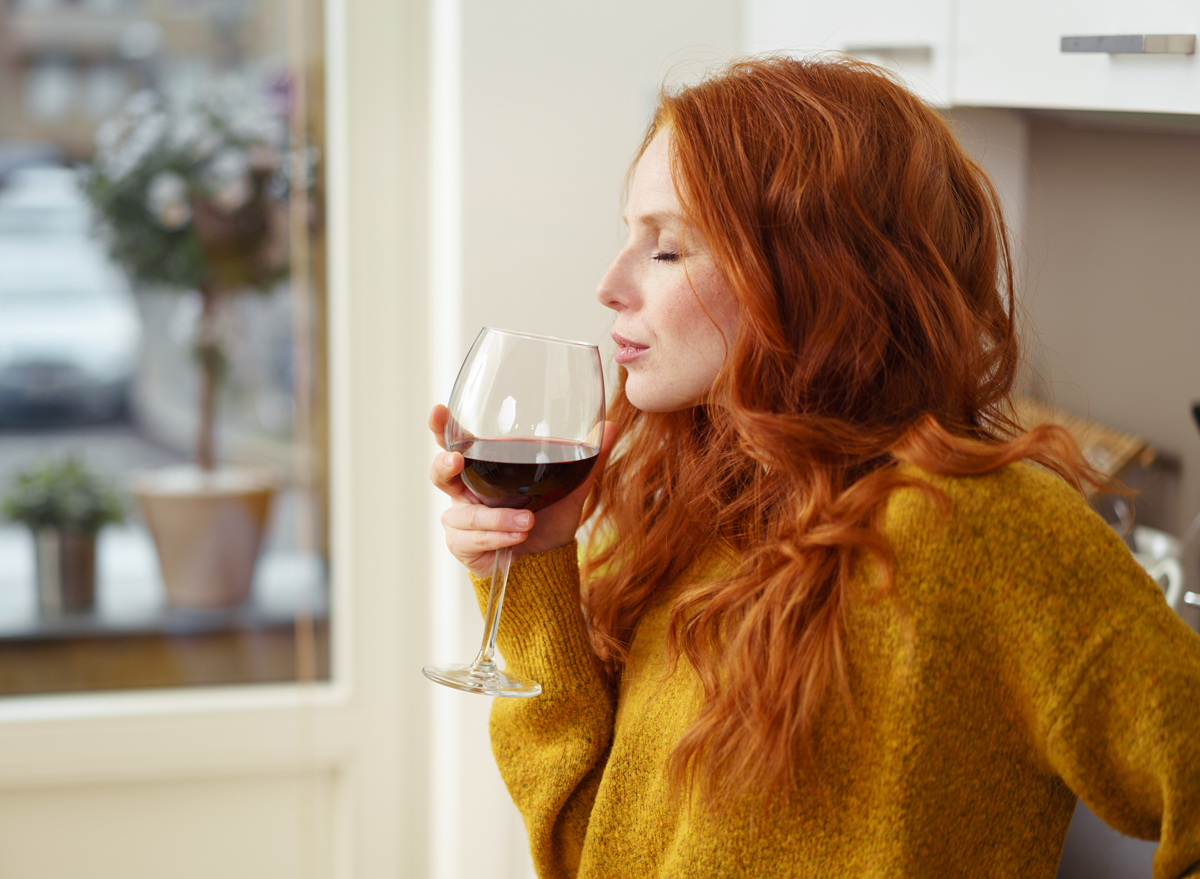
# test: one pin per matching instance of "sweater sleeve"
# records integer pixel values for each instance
(1106, 675)
(1127, 737)
(551, 749)
(1115, 674)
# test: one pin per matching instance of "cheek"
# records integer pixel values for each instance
(717, 320)
(672, 315)
(726, 315)
(688, 321)
(693, 324)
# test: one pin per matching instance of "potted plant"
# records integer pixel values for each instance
(196, 200)
(65, 505)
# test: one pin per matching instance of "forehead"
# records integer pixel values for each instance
(652, 196)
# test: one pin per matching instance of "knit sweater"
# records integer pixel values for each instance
(1033, 662)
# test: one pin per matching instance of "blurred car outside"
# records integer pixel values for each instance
(70, 332)
(17, 154)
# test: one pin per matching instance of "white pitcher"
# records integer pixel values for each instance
(1158, 552)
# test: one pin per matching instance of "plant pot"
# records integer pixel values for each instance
(207, 528)
(66, 571)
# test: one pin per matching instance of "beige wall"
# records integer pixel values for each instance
(1114, 220)
(556, 97)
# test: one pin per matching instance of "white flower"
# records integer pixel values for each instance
(141, 103)
(110, 133)
(208, 144)
(186, 129)
(232, 133)
(227, 178)
(194, 132)
(227, 166)
(166, 198)
(126, 149)
(240, 103)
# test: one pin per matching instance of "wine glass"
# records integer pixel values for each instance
(527, 415)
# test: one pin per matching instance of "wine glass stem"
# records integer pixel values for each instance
(485, 662)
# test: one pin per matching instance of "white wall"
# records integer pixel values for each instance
(556, 97)
(256, 827)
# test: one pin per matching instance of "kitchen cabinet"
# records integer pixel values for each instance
(988, 54)
(1010, 55)
(914, 39)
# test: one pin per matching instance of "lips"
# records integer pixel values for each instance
(627, 349)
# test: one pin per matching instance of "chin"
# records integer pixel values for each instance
(656, 399)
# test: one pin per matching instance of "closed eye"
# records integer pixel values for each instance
(666, 256)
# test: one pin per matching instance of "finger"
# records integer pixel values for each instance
(477, 517)
(465, 544)
(444, 474)
(438, 416)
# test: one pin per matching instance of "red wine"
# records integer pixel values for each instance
(527, 474)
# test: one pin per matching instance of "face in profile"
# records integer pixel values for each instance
(676, 318)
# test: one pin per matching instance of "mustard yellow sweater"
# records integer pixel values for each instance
(1041, 664)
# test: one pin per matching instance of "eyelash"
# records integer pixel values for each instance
(666, 256)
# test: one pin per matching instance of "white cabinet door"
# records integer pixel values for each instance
(911, 38)
(1009, 55)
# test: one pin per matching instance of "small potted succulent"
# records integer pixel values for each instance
(196, 199)
(65, 505)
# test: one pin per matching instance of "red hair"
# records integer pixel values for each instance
(869, 261)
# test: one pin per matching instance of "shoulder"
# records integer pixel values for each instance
(1019, 490)
(1018, 527)
(1017, 501)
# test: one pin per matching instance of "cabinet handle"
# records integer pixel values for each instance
(1156, 44)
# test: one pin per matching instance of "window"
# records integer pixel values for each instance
(186, 138)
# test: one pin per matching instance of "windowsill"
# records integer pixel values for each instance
(133, 639)
(130, 597)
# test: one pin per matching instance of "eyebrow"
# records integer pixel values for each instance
(655, 218)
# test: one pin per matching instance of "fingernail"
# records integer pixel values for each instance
(445, 462)
(516, 535)
(524, 519)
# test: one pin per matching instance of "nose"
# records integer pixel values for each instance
(614, 290)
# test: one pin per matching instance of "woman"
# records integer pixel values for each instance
(832, 623)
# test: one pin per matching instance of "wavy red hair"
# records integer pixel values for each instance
(870, 264)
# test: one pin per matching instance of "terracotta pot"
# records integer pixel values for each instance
(66, 571)
(207, 528)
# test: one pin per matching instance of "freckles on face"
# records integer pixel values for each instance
(675, 316)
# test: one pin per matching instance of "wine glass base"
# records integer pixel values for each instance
(486, 683)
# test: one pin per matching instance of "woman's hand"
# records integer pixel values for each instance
(474, 532)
